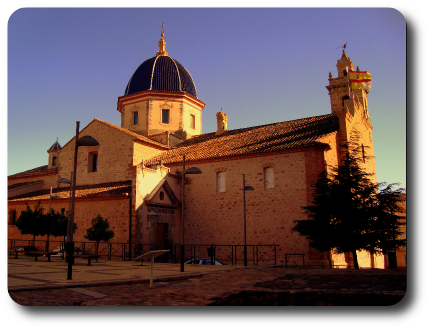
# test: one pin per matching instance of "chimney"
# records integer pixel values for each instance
(221, 119)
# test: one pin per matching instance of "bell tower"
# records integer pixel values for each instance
(344, 95)
(348, 97)
(54, 155)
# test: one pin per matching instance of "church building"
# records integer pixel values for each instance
(134, 176)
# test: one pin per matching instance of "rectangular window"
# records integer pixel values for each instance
(12, 217)
(165, 116)
(135, 118)
(93, 158)
(269, 178)
(220, 179)
(193, 121)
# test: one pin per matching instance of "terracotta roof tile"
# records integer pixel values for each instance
(84, 191)
(22, 184)
(43, 170)
(267, 138)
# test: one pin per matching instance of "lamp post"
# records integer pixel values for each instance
(191, 171)
(49, 214)
(70, 248)
(66, 181)
(245, 188)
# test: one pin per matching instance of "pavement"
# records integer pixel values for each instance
(117, 283)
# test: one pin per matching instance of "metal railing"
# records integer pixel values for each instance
(225, 254)
(289, 264)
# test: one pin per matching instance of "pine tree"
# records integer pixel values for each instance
(349, 213)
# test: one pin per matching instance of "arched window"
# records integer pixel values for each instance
(161, 195)
(269, 178)
(54, 161)
(344, 98)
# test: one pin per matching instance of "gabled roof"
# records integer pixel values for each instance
(103, 190)
(260, 139)
(131, 133)
(23, 184)
(137, 136)
(42, 170)
(162, 185)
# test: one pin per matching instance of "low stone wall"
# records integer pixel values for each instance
(301, 298)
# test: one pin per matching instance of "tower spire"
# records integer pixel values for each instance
(162, 43)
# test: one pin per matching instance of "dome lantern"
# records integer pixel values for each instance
(162, 44)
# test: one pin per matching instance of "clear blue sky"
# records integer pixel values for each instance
(261, 65)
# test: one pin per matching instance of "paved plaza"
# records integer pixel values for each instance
(115, 283)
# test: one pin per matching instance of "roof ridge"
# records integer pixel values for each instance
(239, 130)
(132, 133)
(34, 172)
(273, 137)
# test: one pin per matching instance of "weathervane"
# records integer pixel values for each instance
(162, 43)
(343, 45)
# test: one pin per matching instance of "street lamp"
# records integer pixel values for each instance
(50, 198)
(190, 171)
(245, 188)
(70, 248)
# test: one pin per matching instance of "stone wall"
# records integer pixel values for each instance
(217, 217)
(116, 210)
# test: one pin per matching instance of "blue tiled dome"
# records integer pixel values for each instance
(161, 73)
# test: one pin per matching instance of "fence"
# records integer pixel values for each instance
(225, 254)
(292, 261)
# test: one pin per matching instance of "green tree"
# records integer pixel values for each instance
(99, 231)
(55, 224)
(350, 213)
(29, 221)
(59, 227)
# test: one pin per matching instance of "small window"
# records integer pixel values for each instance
(269, 178)
(161, 196)
(363, 154)
(93, 161)
(193, 121)
(135, 118)
(54, 161)
(165, 116)
(220, 178)
(344, 98)
(12, 217)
